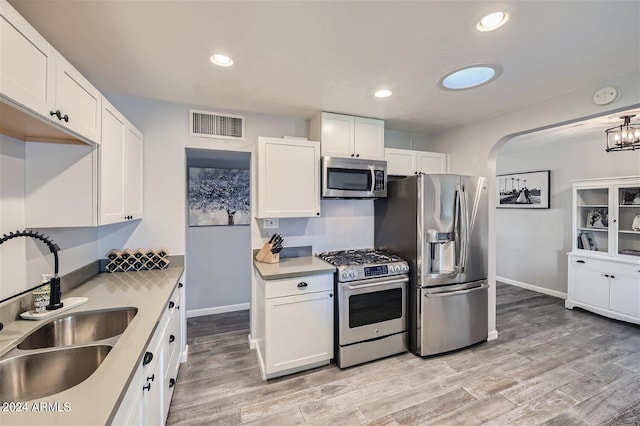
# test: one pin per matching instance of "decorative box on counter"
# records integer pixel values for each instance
(137, 260)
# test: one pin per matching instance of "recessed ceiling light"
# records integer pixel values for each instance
(221, 60)
(469, 76)
(383, 93)
(492, 21)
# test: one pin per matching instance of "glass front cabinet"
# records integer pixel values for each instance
(604, 264)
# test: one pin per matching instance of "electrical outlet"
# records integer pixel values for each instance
(271, 223)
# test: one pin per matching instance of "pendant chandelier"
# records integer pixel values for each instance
(625, 137)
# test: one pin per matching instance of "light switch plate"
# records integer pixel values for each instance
(272, 223)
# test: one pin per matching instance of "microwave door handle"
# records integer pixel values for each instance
(373, 178)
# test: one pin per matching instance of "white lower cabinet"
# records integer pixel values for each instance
(295, 331)
(148, 397)
(609, 288)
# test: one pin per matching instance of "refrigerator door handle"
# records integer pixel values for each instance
(464, 212)
(455, 293)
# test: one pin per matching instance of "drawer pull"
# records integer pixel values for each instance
(148, 356)
(172, 338)
(180, 285)
(302, 285)
(172, 382)
(171, 305)
(146, 387)
(151, 378)
(580, 261)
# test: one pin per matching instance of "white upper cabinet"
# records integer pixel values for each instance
(35, 78)
(288, 178)
(77, 102)
(405, 162)
(27, 74)
(348, 136)
(120, 168)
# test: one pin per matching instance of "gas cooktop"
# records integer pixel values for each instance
(364, 263)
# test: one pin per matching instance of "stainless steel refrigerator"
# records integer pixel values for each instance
(438, 223)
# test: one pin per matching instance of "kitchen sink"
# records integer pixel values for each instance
(80, 328)
(37, 375)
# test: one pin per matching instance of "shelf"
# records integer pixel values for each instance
(594, 229)
(600, 206)
(624, 231)
(637, 206)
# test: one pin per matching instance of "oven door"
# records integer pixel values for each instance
(369, 309)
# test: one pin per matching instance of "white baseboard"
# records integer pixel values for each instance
(252, 343)
(185, 354)
(532, 287)
(218, 310)
(493, 335)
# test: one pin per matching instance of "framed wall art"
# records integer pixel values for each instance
(218, 196)
(528, 190)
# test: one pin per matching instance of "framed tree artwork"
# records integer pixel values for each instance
(529, 190)
(218, 196)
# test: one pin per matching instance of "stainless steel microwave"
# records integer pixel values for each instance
(353, 178)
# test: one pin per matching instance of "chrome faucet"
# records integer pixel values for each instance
(56, 292)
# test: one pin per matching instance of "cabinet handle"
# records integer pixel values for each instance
(330, 294)
(172, 338)
(151, 378)
(180, 285)
(352, 155)
(318, 214)
(613, 276)
(606, 275)
(357, 155)
(172, 383)
(65, 118)
(302, 285)
(148, 356)
(146, 387)
(580, 261)
(171, 305)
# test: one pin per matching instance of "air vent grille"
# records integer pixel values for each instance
(216, 125)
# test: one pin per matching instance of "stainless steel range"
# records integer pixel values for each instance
(371, 305)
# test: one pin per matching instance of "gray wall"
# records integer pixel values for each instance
(218, 273)
(406, 140)
(532, 244)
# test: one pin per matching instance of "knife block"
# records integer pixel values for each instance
(265, 255)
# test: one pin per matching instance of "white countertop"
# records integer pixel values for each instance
(95, 400)
(293, 267)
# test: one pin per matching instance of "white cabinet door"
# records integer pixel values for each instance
(591, 287)
(112, 166)
(133, 179)
(152, 411)
(337, 135)
(368, 138)
(625, 294)
(400, 162)
(432, 162)
(299, 330)
(27, 74)
(288, 178)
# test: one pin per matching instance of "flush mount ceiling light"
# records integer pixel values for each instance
(469, 76)
(492, 21)
(383, 93)
(221, 60)
(625, 137)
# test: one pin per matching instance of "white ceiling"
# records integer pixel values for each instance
(299, 57)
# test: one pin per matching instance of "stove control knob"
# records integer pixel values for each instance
(393, 269)
(352, 274)
(344, 275)
(405, 268)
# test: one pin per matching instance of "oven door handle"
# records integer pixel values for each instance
(376, 284)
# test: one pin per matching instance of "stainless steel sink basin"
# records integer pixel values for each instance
(36, 375)
(80, 328)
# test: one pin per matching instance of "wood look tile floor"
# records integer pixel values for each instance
(549, 366)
